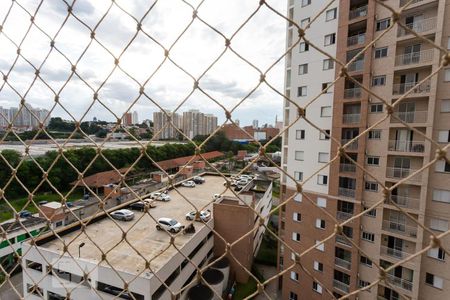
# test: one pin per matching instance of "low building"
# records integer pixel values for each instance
(249, 133)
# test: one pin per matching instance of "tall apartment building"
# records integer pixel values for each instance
(161, 122)
(391, 151)
(27, 118)
(197, 123)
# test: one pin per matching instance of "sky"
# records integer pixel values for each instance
(228, 81)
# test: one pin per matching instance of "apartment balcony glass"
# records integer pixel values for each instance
(392, 252)
(358, 12)
(399, 173)
(349, 193)
(419, 57)
(342, 240)
(352, 146)
(352, 93)
(341, 286)
(342, 263)
(406, 201)
(410, 117)
(357, 65)
(419, 26)
(400, 228)
(412, 88)
(400, 282)
(347, 168)
(357, 39)
(351, 118)
(403, 2)
(407, 146)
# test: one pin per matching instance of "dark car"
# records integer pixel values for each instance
(198, 180)
(25, 214)
(140, 205)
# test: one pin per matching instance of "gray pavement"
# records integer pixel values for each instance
(271, 288)
(6, 290)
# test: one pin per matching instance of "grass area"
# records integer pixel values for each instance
(245, 289)
(19, 203)
(267, 254)
(276, 189)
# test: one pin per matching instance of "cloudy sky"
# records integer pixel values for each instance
(261, 41)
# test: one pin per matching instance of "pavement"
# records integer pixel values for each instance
(272, 287)
(6, 290)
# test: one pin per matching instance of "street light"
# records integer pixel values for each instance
(79, 249)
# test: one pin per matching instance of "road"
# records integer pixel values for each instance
(6, 290)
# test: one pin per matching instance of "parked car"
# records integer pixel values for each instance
(204, 216)
(242, 182)
(198, 179)
(188, 183)
(123, 214)
(160, 196)
(216, 196)
(69, 204)
(169, 224)
(140, 205)
(42, 202)
(25, 214)
(238, 188)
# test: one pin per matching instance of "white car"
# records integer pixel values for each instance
(169, 224)
(188, 183)
(242, 182)
(160, 196)
(204, 216)
(123, 214)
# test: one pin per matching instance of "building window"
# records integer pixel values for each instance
(320, 223)
(448, 43)
(306, 2)
(368, 236)
(320, 246)
(363, 283)
(381, 52)
(325, 111)
(438, 224)
(331, 14)
(445, 105)
(321, 202)
(324, 135)
(296, 236)
(437, 253)
(373, 160)
(298, 198)
(317, 287)
(294, 275)
(376, 107)
(434, 280)
(447, 75)
(301, 91)
(326, 87)
(444, 136)
(370, 213)
(375, 134)
(383, 24)
(303, 69)
(441, 196)
(304, 23)
(371, 186)
(35, 290)
(299, 155)
(318, 266)
(330, 39)
(297, 217)
(322, 179)
(328, 64)
(365, 261)
(303, 47)
(379, 80)
(323, 157)
(300, 134)
(442, 166)
(293, 296)
(34, 265)
(298, 176)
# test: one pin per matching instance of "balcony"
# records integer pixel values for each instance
(349, 193)
(342, 263)
(341, 286)
(347, 168)
(421, 26)
(400, 282)
(411, 88)
(352, 146)
(358, 39)
(407, 146)
(352, 93)
(402, 229)
(357, 65)
(358, 12)
(340, 215)
(342, 240)
(403, 2)
(406, 201)
(351, 118)
(400, 173)
(410, 117)
(414, 58)
(394, 252)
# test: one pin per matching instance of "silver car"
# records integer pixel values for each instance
(123, 214)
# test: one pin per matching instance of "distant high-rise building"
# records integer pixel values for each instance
(127, 119)
(27, 118)
(211, 123)
(255, 124)
(162, 129)
(135, 118)
(197, 123)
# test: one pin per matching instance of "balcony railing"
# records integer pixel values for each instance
(348, 168)
(358, 12)
(343, 215)
(410, 117)
(357, 39)
(400, 282)
(341, 286)
(403, 2)
(342, 240)
(394, 252)
(342, 263)
(407, 146)
(351, 146)
(352, 93)
(406, 201)
(399, 173)
(414, 58)
(357, 65)
(412, 88)
(351, 118)
(420, 26)
(402, 229)
(349, 193)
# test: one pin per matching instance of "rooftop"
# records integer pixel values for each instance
(102, 178)
(181, 161)
(14, 225)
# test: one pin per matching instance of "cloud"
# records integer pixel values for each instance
(230, 89)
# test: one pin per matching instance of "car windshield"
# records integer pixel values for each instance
(173, 222)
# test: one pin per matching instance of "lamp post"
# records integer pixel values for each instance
(79, 249)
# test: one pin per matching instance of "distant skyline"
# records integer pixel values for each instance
(261, 41)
